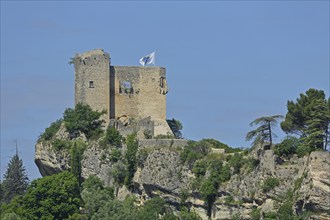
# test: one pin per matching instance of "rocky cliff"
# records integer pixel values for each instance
(301, 183)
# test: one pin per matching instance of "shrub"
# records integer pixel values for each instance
(77, 152)
(217, 144)
(176, 127)
(112, 138)
(285, 211)
(185, 214)
(236, 161)
(51, 130)
(194, 151)
(229, 199)
(119, 173)
(208, 191)
(255, 214)
(83, 119)
(142, 156)
(303, 150)
(287, 147)
(132, 148)
(59, 144)
(199, 168)
(270, 183)
(115, 155)
(147, 134)
(225, 173)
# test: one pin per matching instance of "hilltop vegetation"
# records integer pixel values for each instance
(95, 173)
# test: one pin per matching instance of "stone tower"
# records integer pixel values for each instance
(92, 80)
(123, 91)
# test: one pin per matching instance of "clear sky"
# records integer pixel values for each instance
(227, 62)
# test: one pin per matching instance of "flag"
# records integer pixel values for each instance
(148, 59)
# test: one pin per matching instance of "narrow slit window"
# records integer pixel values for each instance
(91, 84)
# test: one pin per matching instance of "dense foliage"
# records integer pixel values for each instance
(176, 127)
(309, 117)
(112, 138)
(77, 152)
(83, 119)
(287, 147)
(15, 180)
(51, 130)
(131, 158)
(51, 197)
(270, 183)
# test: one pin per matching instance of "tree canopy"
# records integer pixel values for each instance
(264, 131)
(15, 179)
(309, 117)
(83, 119)
(50, 197)
(176, 127)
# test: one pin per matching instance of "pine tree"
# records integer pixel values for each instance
(264, 131)
(15, 179)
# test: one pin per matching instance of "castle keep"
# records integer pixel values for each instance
(123, 91)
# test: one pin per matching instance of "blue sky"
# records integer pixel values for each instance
(228, 62)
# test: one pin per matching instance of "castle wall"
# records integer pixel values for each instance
(139, 92)
(92, 80)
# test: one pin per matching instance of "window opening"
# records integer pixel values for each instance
(91, 84)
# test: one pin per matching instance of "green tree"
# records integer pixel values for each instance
(176, 127)
(77, 152)
(83, 119)
(50, 197)
(95, 195)
(309, 117)
(131, 158)
(15, 179)
(287, 147)
(112, 137)
(264, 131)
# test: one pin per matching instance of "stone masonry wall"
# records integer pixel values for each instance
(92, 80)
(139, 92)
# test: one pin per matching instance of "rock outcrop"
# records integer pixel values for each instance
(161, 172)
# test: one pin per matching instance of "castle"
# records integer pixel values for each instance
(125, 92)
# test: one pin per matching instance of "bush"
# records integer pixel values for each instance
(217, 144)
(51, 130)
(176, 127)
(112, 138)
(142, 156)
(225, 173)
(199, 168)
(236, 161)
(83, 119)
(119, 173)
(47, 198)
(132, 148)
(270, 183)
(287, 147)
(229, 199)
(115, 155)
(59, 144)
(255, 214)
(194, 151)
(303, 150)
(77, 152)
(285, 211)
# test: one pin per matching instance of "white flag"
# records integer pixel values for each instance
(148, 59)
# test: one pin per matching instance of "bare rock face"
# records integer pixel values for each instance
(163, 174)
(314, 193)
(50, 161)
